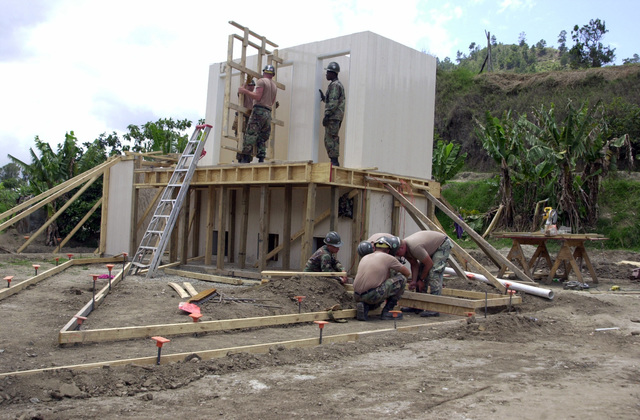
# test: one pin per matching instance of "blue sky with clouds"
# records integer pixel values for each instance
(93, 66)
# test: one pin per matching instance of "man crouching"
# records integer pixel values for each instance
(380, 276)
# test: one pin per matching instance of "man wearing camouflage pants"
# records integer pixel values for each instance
(380, 277)
(427, 251)
(333, 113)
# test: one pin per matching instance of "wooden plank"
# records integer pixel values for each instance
(446, 291)
(57, 214)
(204, 355)
(99, 297)
(175, 286)
(208, 277)
(231, 214)
(286, 228)
(263, 235)
(198, 297)
(195, 235)
(422, 220)
(308, 224)
(78, 226)
(183, 252)
(208, 243)
(190, 289)
(276, 273)
(494, 221)
(244, 229)
(453, 304)
(16, 287)
(298, 234)
(126, 333)
(51, 194)
(221, 219)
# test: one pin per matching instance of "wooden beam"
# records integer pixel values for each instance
(209, 277)
(263, 235)
(486, 246)
(185, 219)
(195, 229)
(78, 226)
(231, 199)
(421, 220)
(52, 193)
(208, 244)
(298, 234)
(286, 228)
(310, 210)
(244, 229)
(127, 333)
(181, 292)
(453, 305)
(494, 221)
(276, 273)
(190, 289)
(57, 214)
(334, 203)
(221, 218)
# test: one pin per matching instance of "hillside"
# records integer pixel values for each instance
(463, 96)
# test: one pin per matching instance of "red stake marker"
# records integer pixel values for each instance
(8, 279)
(159, 342)
(321, 324)
(300, 298)
(36, 266)
(395, 315)
(80, 319)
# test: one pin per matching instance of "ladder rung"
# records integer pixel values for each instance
(140, 265)
(174, 185)
(147, 247)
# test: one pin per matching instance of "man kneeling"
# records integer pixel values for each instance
(380, 276)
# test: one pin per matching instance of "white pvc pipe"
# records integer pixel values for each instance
(532, 290)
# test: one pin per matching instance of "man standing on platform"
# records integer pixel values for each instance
(259, 126)
(333, 112)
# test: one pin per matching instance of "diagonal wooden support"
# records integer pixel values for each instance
(482, 243)
(418, 215)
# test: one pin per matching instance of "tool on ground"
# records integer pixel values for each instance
(395, 316)
(159, 342)
(615, 288)
(191, 308)
(300, 298)
(8, 279)
(321, 324)
(36, 266)
(70, 256)
(109, 267)
(95, 278)
(80, 319)
(203, 296)
(155, 239)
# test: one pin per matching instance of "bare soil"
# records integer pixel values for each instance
(544, 359)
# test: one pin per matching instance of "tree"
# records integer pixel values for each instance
(633, 60)
(447, 161)
(522, 39)
(562, 42)
(588, 50)
(165, 135)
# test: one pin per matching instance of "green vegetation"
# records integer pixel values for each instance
(619, 202)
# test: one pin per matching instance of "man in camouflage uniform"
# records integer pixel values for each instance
(324, 259)
(259, 125)
(427, 252)
(333, 112)
(380, 277)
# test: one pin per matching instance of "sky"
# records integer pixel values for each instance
(93, 66)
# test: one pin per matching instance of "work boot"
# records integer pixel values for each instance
(427, 314)
(362, 311)
(261, 159)
(387, 316)
(334, 162)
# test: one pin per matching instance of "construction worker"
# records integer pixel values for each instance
(324, 259)
(333, 112)
(248, 104)
(380, 277)
(393, 241)
(427, 252)
(259, 125)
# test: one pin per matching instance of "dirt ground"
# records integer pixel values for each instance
(544, 359)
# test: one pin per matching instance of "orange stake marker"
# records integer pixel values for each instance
(395, 315)
(321, 324)
(80, 319)
(159, 342)
(109, 267)
(36, 266)
(195, 316)
(8, 279)
(300, 298)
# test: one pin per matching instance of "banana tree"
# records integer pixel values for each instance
(447, 161)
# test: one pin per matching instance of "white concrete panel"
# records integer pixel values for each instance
(390, 98)
(119, 207)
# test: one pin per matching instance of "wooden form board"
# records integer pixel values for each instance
(179, 290)
(273, 273)
(17, 287)
(209, 277)
(455, 302)
(189, 327)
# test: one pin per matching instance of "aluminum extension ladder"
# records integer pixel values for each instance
(164, 218)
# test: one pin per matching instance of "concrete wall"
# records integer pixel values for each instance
(120, 208)
(390, 97)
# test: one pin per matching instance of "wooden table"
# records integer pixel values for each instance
(572, 251)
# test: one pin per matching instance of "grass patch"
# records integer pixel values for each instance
(619, 220)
